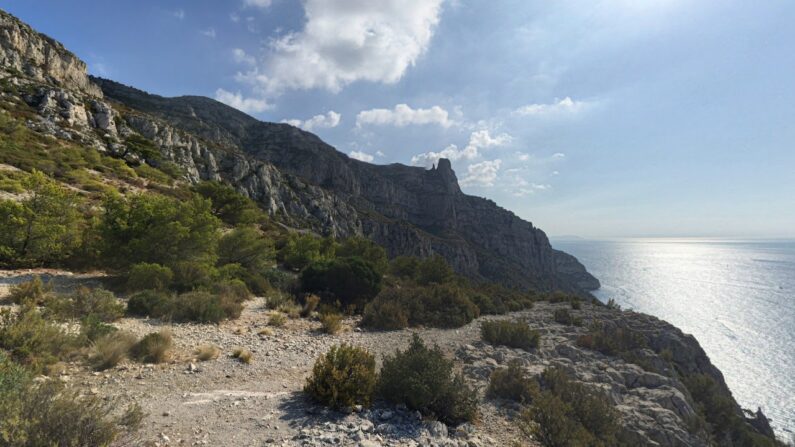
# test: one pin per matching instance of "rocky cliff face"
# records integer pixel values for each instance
(295, 176)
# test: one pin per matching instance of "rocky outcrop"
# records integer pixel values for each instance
(41, 58)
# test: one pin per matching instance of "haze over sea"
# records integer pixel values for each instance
(736, 297)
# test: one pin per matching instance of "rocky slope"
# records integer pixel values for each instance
(292, 173)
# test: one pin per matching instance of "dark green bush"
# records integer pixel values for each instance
(422, 379)
(351, 281)
(563, 316)
(612, 340)
(404, 266)
(513, 384)
(361, 247)
(100, 303)
(300, 250)
(247, 247)
(436, 305)
(203, 307)
(515, 334)
(233, 289)
(153, 348)
(149, 303)
(193, 275)
(47, 414)
(434, 270)
(146, 276)
(229, 205)
(345, 376)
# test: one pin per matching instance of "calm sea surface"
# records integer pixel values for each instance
(736, 297)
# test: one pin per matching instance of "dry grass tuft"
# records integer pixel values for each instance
(277, 319)
(154, 347)
(244, 355)
(207, 352)
(331, 323)
(109, 350)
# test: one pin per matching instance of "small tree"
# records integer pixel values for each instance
(345, 376)
(229, 205)
(351, 280)
(366, 249)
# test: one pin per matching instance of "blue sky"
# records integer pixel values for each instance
(598, 118)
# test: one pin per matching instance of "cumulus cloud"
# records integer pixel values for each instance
(482, 174)
(478, 140)
(330, 119)
(236, 100)
(361, 156)
(257, 3)
(525, 188)
(403, 115)
(241, 57)
(344, 41)
(559, 107)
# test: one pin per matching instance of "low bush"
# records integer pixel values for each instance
(570, 413)
(277, 319)
(495, 299)
(153, 348)
(193, 275)
(563, 316)
(207, 352)
(514, 334)
(351, 281)
(33, 341)
(612, 340)
(100, 303)
(47, 414)
(444, 306)
(433, 270)
(93, 328)
(331, 323)
(232, 289)
(345, 376)
(422, 379)
(34, 291)
(110, 350)
(149, 303)
(513, 384)
(243, 355)
(147, 276)
(203, 307)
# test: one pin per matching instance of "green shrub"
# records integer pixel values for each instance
(47, 414)
(385, 314)
(443, 306)
(34, 291)
(331, 323)
(202, 307)
(497, 299)
(229, 205)
(404, 266)
(513, 384)
(247, 247)
(422, 379)
(149, 303)
(612, 340)
(434, 270)
(32, 340)
(349, 280)
(300, 250)
(193, 275)
(100, 303)
(563, 316)
(515, 334)
(233, 289)
(345, 376)
(361, 247)
(282, 281)
(570, 413)
(92, 327)
(109, 350)
(153, 348)
(146, 276)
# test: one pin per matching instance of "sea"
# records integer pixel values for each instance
(736, 297)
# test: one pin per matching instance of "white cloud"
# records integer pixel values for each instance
(361, 156)
(482, 174)
(209, 32)
(561, 107)
(257, 3)
(478, 140)
(179, 14)
(345, 41)
(241, 57)
(236, 100)
(527, 189)
(330, 119)
(403, 115)
(558, 155)
(522, 156)
(380, 153)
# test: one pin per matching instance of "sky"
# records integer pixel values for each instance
(594, 118)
